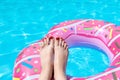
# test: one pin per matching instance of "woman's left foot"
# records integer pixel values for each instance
(46, 56)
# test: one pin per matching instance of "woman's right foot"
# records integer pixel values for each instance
(60, 59)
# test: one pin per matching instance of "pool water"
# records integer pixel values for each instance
(86, 61)
(23, 22)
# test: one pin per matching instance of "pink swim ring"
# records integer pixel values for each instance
(101, 34)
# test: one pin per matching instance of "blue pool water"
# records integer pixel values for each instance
(87, 61)
(23, 22)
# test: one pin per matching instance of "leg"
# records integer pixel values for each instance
(60, 59)
(46, 55)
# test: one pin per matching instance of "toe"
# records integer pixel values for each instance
(47, 41)
(63, 43)
(42, 44)
(56, 41)
(60, 42)
(67, 48)
(51, 41)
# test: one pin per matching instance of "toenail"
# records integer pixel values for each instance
(62, 38)
(41, 43)
(51, 37)
(57, 38)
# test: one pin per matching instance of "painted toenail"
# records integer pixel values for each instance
(51, 37)
(62, 38)
(57, 38)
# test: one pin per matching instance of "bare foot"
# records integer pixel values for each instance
(60, 59)
(46, 55)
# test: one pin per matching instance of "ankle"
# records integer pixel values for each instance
(60, 75)
(46, 74)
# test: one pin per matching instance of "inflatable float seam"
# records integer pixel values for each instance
(109, 44)
(116, 57)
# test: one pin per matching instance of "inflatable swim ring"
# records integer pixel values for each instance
(101, 34)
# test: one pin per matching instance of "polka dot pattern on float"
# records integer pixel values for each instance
(35, 52)
(28, 50)
(71, 29)
(35, 70)
(18, 70)
(23, 74)
(35, 62)
(65, 30)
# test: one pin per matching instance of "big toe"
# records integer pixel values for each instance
(56, 42)
(51, 41)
